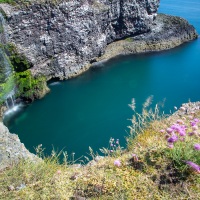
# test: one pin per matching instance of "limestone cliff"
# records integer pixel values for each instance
(167, 32)
(11, 149)
(62, 40)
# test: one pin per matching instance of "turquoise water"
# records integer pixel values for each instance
(88, 110)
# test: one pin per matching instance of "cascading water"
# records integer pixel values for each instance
(10, 103)
(7, 87)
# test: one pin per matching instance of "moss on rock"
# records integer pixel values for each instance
(18, 61)
(29, 87)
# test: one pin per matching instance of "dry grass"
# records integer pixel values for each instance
(150, 175)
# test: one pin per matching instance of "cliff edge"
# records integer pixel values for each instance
(11, 149)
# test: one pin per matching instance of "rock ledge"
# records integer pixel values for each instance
(12, 150)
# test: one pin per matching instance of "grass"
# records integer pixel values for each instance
(7, 1)
(147, 169)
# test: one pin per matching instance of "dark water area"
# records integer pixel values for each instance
(88, 110)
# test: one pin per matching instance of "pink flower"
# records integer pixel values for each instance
(177, 127)
(193, 166)
(197, 147)
(172, 139)
(117, 163)
(191, 133)
(196, 120)
(59, 172)
(162, 130)
(169, 130)
(182, 133)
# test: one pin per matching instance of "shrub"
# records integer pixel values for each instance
(183, 139)
(28, 86)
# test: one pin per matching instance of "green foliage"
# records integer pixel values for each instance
(129, 39)
(19, 62)
(28, 86)
(7, 1)
(183, 151)
(114, 150)
(6, 87)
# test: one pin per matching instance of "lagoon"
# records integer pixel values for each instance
(90, 109)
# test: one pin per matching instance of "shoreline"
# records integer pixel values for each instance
(167, 33)
(12, 150)
(159, 39)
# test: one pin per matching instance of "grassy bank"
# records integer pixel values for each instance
(161, 162)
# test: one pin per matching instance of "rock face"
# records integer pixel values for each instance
(62, 40)
(11, 149)
(167, 32)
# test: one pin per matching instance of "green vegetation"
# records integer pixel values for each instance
(6, 82)
(29, 87)
(5, 88)
(18, 61)
(129, 39)
(147, 169)
(7, 1)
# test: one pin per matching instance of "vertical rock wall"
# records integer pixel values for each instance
(62, 40)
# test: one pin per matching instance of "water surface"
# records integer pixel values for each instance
(88, 110)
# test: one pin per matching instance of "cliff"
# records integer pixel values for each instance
(166, 32)
(62, 40)
(12, 150)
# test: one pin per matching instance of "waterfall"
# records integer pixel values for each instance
(7, 90)
(10, 103)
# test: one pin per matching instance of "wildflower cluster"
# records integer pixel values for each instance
(115, 146)
(183, 140)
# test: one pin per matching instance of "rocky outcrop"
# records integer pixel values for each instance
(167, 32)
(12, 150)
(63, 40)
